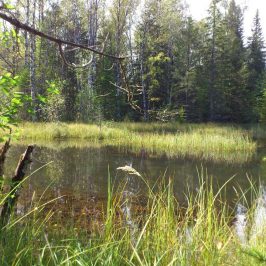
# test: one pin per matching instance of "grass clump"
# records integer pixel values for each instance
(205, 141)
(200, 233)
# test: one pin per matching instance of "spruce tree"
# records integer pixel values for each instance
(234, 67)
(256, 67)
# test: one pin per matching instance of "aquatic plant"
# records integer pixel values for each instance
(198, 233)
(206, 142)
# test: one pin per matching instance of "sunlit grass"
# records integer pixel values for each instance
(199, 233)
(205, 141)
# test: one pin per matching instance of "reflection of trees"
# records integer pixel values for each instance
(82, 171)
(73, 169)
(52, 172)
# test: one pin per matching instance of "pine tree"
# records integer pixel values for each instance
(213, 26)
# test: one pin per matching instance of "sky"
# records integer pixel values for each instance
(198, 9)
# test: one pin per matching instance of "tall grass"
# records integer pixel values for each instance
(207, 142)
(201, 233)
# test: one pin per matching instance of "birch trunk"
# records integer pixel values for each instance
(93, 7)
(32, 64)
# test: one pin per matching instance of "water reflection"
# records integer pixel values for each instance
(256, 221)
(130, 192)
(259, 220)
(241, 224)
(81, 174)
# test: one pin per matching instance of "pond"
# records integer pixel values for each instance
(79, 175)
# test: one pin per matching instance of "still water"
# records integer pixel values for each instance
(81, 173)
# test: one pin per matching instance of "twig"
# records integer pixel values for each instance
(72, 64)
(129, 98)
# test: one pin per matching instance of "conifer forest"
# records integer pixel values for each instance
(161, 64)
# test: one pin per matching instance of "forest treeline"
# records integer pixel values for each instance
(175, 67)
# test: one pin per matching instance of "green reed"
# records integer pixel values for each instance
(219, 143)
(200, 232)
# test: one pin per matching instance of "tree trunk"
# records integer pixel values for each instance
(213, 63)
(33, 64)
(143, 85)
(93, 6)
(27, 44)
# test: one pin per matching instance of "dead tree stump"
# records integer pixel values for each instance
(13, 194)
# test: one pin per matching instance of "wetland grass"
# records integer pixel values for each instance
(204, 141)
(166, 234)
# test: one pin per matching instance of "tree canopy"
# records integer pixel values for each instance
(107, 61)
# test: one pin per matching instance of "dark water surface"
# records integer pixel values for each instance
(82, 173)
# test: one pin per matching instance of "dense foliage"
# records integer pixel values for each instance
(11, 101)
(176, 67)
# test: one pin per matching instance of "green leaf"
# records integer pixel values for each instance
(41, 98)
(8, 6)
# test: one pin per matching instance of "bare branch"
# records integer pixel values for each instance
(15, 22)
(71, 50)
(102, 95)
(129, 98)
(103, 45)
(84, 65)
(108, 69)
(72, 64)
(9, 64)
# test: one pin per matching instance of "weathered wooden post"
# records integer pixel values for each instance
(20, 172)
